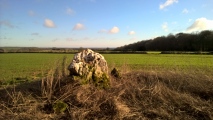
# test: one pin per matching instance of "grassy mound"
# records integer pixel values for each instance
(136, 95)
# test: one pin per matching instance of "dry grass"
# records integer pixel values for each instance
(137, 95)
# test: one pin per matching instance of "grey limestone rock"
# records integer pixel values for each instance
(90, 65)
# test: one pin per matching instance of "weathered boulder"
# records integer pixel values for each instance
(91, 66)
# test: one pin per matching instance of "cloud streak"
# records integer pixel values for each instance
(49, 23)
(70, 11)
(200, 24)
(167, 3)
(35, 34)
(102, 31)
(185, 11)
(6, 23)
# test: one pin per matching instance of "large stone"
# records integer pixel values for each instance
(91, 66)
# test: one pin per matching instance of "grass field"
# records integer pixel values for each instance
(152, 86)
(29, 66)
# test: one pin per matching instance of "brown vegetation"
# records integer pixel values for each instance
(136, 95)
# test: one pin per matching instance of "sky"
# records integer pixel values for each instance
(98, 23)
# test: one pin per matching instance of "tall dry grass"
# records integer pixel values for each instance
(150, 94)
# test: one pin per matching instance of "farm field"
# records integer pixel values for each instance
(29, 66)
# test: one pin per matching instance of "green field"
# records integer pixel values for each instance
(29, 66)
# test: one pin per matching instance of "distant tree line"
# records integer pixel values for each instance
(36, 50)
(202, 41)
(49, 50)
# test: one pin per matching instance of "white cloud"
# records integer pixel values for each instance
(200, 24)
(165, 26)
(131, 33)
(69, 11)
(49, 23)
(185, 11)
(167, 3)
(31, 13)
(114, 30)
(79, 26)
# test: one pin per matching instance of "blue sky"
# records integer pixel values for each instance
(98, 23)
